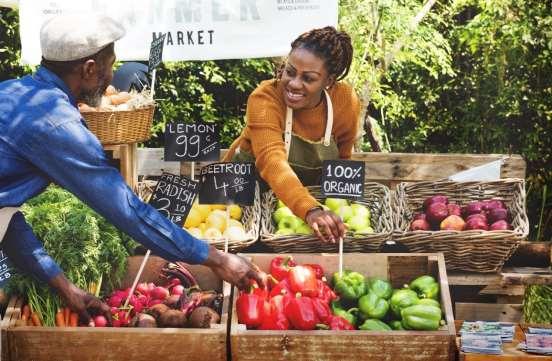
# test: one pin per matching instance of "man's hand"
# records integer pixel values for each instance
(327, 226)
(234, 269)
(79, 301)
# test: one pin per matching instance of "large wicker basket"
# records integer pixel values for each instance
(121, 127)
(251, 218)
(473, 250)
(377, 198)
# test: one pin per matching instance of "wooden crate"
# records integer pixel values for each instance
(353, 345)
(122, 344)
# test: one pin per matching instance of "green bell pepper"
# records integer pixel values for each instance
(430, 302)
(372, 306)
(349, 315)
(374, 325)
(421, 317)
(425, 287)
(351, 285)
(381, 288)
(402, 298)
(396, 325)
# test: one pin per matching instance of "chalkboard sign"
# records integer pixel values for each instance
(173, 197)
(342, 179)
(156, 52)
(227, 183)
(5, 269)
(192, 142)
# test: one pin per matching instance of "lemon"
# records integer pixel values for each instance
(216, 220)
(235, 223)
(235, 211)
(234, 234)
(204, 210)
(193, 219)
(218, 206)
(202, 227)
(212, 233)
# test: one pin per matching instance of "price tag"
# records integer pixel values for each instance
(174, 196)
(342, 179)
(5, 269)
(227, 183)
(192, 142)
(156, 52)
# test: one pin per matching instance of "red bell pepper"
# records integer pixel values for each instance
(338, 323)
(280, 266)
(300, 313)
(302, 279)
(250, 309)
(256, 290)
(325, 292)
(282, 287)
(322, 309)
(274, 317)
(318, 270)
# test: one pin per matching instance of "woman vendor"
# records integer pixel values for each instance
(304, 116)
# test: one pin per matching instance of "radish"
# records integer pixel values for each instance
(100, 321)
(160, 293)
(177, 290)
(115, 301)
(143, 288)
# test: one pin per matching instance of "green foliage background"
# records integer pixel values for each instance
(472, 77)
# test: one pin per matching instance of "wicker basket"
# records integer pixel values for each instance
(377, 198)
(121, 127)
(251, 218)
(474, 250)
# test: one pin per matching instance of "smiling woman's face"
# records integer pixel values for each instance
(304, 79)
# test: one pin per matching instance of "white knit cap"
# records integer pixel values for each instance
(71, 37)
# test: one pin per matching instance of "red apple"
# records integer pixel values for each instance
(436, 212)
(419, 225)
(501, 225)
(476, 223)
(493, 204)
(497, 214)
(478, 215)
(435, 199)
(419, 216)
(472, 208)
(453, 209)
(453, 223)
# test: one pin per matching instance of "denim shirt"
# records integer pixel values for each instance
(44, 139)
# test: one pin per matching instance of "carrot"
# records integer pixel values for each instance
(60, 321)
(74, 319)
(66, 315)
(25, 313)
(36, 319)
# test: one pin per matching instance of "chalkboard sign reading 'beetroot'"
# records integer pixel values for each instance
(342, 179)
(192, 142)
(227, 183)
(174, 196)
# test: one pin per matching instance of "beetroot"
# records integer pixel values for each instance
(472, 208)
(453, 209)
(177, 290)
(172, 301)
(476, 223)
(159, 293)
(143, 320)
(173, 318)
(203, 317)
(435, 199)
(493, 204)
(500, 225)
(100, 321)
(157, 310)
(497, 214)
(419, 225)
(436, 212)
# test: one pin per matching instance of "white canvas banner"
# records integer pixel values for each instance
(196, 29)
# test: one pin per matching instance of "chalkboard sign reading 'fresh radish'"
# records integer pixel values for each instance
(174, 196)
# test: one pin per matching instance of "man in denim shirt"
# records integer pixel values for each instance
(44, 139)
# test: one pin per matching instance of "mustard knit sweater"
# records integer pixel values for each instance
(263, 137)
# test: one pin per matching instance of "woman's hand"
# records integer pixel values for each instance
(326, 225)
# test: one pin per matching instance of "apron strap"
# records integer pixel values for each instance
(329, 124)
(6, 215)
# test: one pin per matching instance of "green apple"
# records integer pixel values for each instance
(280, 204)
(356, 223)
(285, 232)
(291, 222)
(360, 210)
(280, 213)
(304, 229)
(345, 212)
(335, 203)
(366, 230)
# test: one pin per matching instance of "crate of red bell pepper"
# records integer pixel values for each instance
(379, 306)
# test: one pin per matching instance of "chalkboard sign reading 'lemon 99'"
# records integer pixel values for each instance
(192, 142)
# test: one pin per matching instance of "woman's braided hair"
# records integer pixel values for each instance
(333, 46)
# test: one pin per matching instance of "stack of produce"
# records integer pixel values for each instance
(355, 216)
(215, 221)
(113, 100)
(299, 298)
(440, 214)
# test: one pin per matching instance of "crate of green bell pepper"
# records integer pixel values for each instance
(382, 306)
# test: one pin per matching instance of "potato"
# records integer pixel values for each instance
(203, 317)
(83, 107)
(120, 98)
(173, 318)
(110, 90)
(157, 310)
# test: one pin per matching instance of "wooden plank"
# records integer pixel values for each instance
(488, 312)
(402, 270)
(460, 278)
(534, 254)
(328, 345)
(526, 276)
(497, 289)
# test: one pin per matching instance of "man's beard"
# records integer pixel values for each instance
(93, 97)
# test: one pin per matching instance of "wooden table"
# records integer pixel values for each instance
(510, 351)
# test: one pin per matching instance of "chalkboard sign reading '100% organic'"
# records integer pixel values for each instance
(174, 196)
(192, 142)
(228, 183)
(342, 179)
